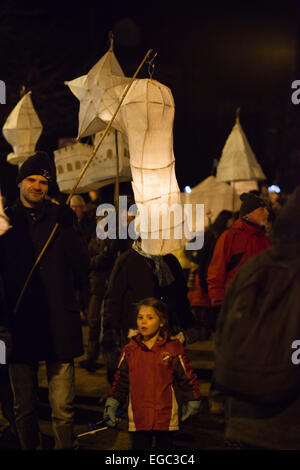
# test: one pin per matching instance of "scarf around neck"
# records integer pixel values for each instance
(159, 266)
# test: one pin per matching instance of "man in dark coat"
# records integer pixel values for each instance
(46, 326)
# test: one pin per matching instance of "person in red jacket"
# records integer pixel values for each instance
(156, 375)
(246, 238)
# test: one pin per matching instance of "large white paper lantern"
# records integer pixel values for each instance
(22, 130)
(244, 186)
(148, 115)
(216, 197)
(238, 162)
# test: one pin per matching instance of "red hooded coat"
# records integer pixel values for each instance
(233, 248)
(154, 379)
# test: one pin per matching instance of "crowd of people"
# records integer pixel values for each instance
(139, 309)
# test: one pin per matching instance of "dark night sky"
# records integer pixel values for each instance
(214, 58)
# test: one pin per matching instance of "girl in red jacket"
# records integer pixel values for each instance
(155, 375)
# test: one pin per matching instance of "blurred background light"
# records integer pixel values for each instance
(274, 189)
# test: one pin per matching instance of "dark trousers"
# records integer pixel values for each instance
(6, 398)
(142, 440)
(93, 320)
(61, 384)
(202, 324)
(215, 393)
(111, 352)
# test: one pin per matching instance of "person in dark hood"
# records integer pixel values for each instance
(271, 313)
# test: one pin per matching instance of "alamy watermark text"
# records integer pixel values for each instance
(2, 92)
(155, 221)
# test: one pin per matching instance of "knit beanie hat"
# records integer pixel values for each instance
(250, 202)
(38, 164)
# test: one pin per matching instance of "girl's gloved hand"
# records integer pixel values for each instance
(189, 409)
(110, 409)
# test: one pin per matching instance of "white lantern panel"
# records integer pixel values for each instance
(22, 130)
(238, 161)
(216, 197)
(70, 161)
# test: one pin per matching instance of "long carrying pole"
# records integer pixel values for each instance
(117, 182)
(78, 181)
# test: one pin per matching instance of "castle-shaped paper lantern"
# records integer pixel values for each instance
(70, 160)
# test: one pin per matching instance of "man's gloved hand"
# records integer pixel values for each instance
(110, 409)
(189, 409)
(66, 217)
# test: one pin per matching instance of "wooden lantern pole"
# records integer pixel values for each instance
(117, 180)
(237, 120)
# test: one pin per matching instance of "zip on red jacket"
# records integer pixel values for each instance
(233, 248)
(155, 380)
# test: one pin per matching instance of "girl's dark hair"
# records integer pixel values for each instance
(160, 308)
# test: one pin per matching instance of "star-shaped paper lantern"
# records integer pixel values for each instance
(105, 79)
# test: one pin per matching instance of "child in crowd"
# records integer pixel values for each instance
(155, 375)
